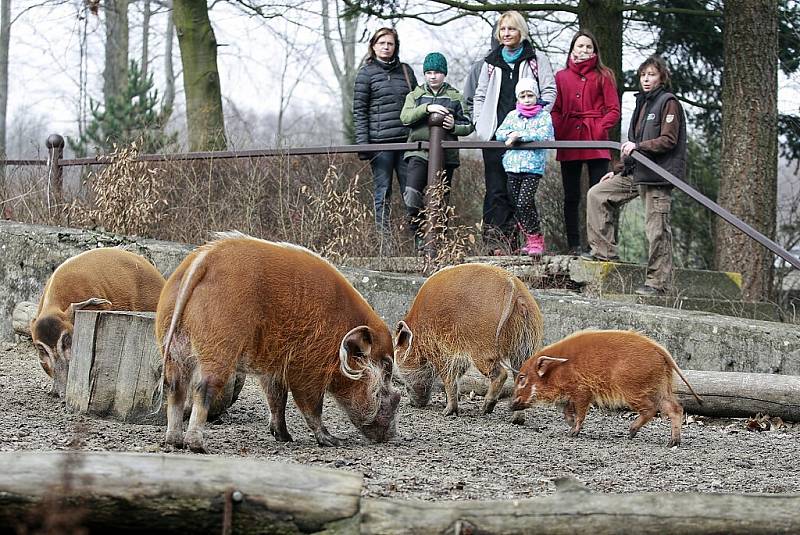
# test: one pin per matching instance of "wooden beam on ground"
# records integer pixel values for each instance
(740, 395)
(127, 492)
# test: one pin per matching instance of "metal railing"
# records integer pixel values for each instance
(436, 147)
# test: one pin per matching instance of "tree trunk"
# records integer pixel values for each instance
(145, 38)
(5, 37)
(169, 70)
(200, 75)
(749, 156)
(115, 75)
(345, 71)
(604, 19)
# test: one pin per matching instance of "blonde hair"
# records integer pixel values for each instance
(515, 20)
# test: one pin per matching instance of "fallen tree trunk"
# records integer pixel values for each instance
(724, 394)
(128, 492)
(739, 395)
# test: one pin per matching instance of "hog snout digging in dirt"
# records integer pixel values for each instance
(283, 313)
(99, 279)
(471, 314)
(609, 368)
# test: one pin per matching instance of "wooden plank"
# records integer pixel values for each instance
(180, 493)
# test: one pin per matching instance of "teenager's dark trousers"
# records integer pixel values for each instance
(498, 212)
(571, 179)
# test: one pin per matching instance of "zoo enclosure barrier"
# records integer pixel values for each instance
(56, 162)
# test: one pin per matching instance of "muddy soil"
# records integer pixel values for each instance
(471, 456)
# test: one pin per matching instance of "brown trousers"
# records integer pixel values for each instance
(610, 195)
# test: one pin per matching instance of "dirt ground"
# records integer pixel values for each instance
(471, 456)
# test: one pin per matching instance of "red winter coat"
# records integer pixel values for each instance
(586, 107)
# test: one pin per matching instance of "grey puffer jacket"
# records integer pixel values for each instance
(378, 97)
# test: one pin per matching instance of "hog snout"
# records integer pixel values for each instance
(384, 426)
(519, 404)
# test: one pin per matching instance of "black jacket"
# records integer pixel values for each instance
(378, 97)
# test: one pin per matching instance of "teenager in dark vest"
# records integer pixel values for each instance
(658, 130)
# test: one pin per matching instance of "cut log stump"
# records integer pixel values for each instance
(115, 371)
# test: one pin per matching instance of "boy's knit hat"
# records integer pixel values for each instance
(434, 62)
(525, 84)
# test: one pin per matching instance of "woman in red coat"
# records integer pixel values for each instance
(586, 107)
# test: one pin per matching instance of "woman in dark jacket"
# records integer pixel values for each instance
(381, 86)
(586, 108)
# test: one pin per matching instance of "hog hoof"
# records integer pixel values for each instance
(450, 410)
(518, 418)
(488, 407)
(329, 440)
(632, 433)
(674, 443)
(574, 432)
(194, 441)
(280, 435)
(174, 439)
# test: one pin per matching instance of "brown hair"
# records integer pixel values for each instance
(374, 39)
(600, 67)
(658, 63)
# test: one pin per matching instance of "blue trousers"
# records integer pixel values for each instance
(384, 165)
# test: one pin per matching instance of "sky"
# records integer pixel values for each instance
(45, 63)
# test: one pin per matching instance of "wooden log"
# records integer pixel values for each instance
(21, 318)
(739, 395)
(142, 493)
(584, 512)
(725, 394)
(130, 492)
(115, 371)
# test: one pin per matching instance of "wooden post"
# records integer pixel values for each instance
(115, 369)
(55, 173)
(433, 208)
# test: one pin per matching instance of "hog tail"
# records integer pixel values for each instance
(674, 366)
(507, 308)
(188, 283)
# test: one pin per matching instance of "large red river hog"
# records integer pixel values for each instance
(285, 314)
(608, 368)
(99, 279)
(467, 315)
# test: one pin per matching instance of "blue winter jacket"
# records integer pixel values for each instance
(538, 128)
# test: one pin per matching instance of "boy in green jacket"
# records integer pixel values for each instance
(434, 96)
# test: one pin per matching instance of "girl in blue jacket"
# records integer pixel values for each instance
(525, 167)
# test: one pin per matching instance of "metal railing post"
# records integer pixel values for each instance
(55, 172)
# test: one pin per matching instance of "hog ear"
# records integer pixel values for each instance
(402, 338)
(74, 307)
(545, 363)
(357, 344)
(45, 359)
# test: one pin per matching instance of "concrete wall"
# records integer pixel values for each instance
(698, 340)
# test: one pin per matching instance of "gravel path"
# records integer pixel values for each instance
(471, 456)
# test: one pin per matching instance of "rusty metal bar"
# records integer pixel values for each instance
(22, 162)
(260, 153)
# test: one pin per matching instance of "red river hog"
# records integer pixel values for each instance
(470, 314)
(98, 279)
(608, 368)
(285, 314)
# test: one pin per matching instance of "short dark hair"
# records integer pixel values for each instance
(377, 35)
(658, 63)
